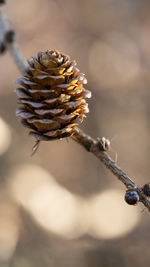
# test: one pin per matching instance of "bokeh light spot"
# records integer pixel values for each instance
(51, 205)
(56, 209)
(24, 180)
(5, 136)
(9, 230)
(110, 216)
(115, 61)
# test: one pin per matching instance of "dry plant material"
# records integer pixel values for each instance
(52, 96)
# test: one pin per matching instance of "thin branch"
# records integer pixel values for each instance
(97, 147)
(94, 146)
(12, 46)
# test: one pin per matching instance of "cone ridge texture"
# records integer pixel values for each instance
(51, 96)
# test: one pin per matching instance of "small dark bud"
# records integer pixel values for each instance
(10, 36)
(2, 2)
(146, 190)
(131, 197)
(2, 47)
(103, 144)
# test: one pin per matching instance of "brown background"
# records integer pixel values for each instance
(110, 40)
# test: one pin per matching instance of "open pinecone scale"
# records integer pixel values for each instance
(51, 96)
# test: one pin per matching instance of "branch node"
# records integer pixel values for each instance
(10, 36)
(103, 144)
(2, 2)
(146, 189)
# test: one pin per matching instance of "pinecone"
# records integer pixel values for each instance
(52, 96)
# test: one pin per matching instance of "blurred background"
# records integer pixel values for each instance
(61, 207)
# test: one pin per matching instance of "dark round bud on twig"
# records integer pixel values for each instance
(2, 2)
(131, 197)
(10, 36)
(2, 47)
(146, 190)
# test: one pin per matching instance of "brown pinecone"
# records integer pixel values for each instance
(52, 96)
